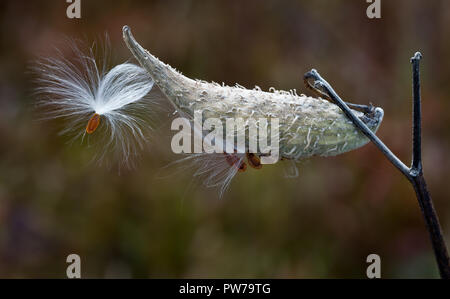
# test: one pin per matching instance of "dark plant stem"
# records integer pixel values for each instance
(415, 173)
(417, 114)
(433, 226)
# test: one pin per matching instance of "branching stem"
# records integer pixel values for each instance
(415, 173)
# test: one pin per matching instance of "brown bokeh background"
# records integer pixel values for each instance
(323, 224)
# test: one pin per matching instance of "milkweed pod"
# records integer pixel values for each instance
(307, 126)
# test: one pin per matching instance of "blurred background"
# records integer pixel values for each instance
(323, 224)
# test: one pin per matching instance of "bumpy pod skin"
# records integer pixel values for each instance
(307, 126)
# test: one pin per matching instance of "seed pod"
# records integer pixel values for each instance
(307, 126)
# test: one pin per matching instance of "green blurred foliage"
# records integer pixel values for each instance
(323, 224)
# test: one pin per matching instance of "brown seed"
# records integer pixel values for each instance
(242, 167)
(93, 123)
(254, 161)
(234, 161)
